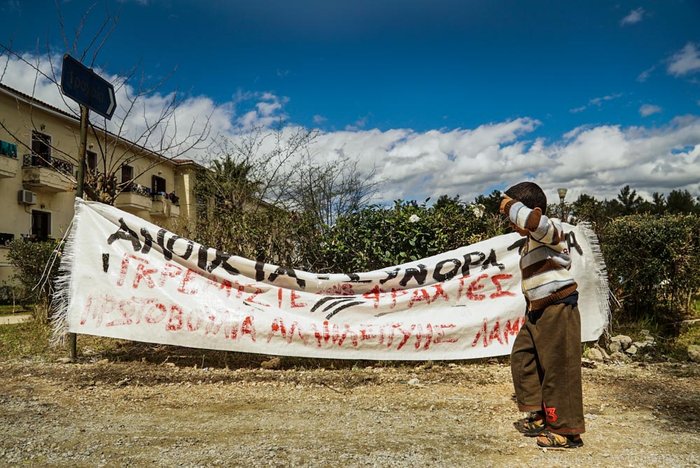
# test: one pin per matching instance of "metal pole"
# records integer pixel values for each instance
(84, 116)
(562, 194)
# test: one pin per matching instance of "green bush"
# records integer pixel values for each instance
(654, 264)
(36, 270)
(377, 237)
(9, 294)
(264, 233)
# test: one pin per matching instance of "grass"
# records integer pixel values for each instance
(672, 340)
(28, 339)
(10, 309)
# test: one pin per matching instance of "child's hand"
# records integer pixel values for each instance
(504, 202)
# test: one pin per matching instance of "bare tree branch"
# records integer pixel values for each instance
(136, 132)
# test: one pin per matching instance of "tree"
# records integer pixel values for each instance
(491, 202)
(658, 203)
(681, 202)
(265, 196)
(588, 208)
(233, 181)
(328, 190)
(629, 200)
(135, 129)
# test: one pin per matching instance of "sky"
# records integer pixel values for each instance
(432, 97)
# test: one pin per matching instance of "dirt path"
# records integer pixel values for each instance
(138, 413)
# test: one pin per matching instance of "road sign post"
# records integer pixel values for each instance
(91, 91)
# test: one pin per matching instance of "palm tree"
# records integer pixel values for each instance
(232, 183)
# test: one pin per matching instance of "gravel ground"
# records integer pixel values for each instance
(106, 413)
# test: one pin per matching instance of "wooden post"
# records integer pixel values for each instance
(84, 116)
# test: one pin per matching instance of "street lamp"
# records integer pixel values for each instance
(562, 194)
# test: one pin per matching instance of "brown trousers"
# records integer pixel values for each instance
(546, 366)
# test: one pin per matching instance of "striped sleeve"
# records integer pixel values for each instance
(549, 231)
(524, 217)
(543, 229)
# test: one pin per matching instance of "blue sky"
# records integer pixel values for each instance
(353, 67)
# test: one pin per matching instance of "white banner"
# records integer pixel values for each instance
(123, 277)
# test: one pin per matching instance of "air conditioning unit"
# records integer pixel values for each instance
(26, 197)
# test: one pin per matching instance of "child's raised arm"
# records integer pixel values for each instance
(541, 228)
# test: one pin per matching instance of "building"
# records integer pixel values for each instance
(38, 157)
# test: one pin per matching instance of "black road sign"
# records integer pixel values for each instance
(86, 87)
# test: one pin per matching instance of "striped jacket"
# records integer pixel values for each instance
(544, 262)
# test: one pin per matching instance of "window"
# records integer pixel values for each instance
(157, 185)
(127, 173)
(6, 238)
(41, 149)
(91, 159)
(41, 225)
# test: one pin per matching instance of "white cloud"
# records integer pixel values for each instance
(319, 119)
(633, 17)
(644, 76)
(596, 102)
(357, 125)
(189, 117)
(265, 113)
(685, 61)
(649, 109)
(408, 164)
(595, 160)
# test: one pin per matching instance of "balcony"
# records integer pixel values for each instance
(165, 206)
(134, 197)
(47, 174)
(8, 166)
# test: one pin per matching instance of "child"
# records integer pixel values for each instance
(546, 356)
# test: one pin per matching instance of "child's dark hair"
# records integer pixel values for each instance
(530, 194)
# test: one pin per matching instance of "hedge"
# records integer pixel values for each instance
(653, 264)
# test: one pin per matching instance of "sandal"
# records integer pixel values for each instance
(549, 439)
(531, 426)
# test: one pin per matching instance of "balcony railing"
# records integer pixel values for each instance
(166, 205)
(134, 197)
(171, 197)
(137, 189)
(34, 160)
(47, 174)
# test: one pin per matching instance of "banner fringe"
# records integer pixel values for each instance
(63, 284)
(603, 289)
